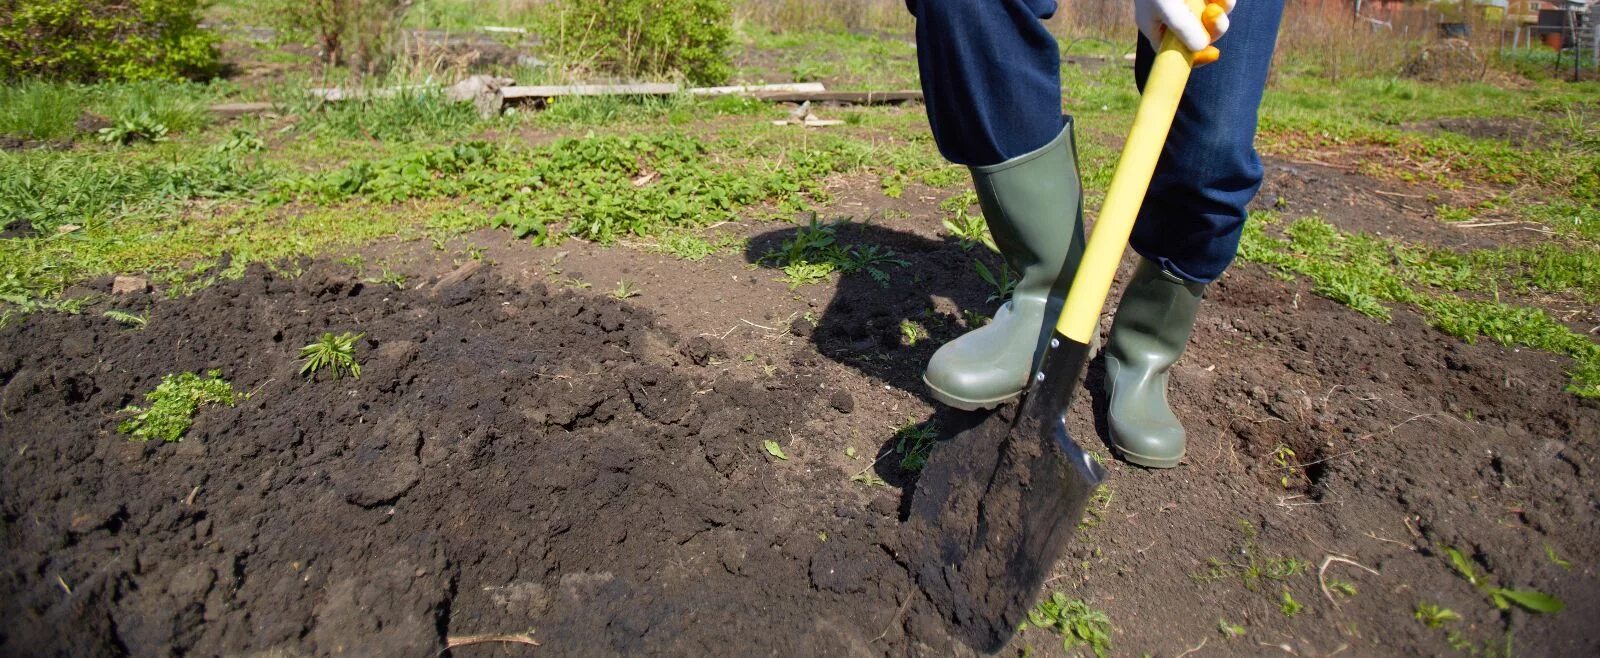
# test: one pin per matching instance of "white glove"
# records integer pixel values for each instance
(1152, 15)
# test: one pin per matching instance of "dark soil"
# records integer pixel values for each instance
(517, 458)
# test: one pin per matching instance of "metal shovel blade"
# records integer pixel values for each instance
(997, 505)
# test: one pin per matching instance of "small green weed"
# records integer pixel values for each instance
(1343, 588)
(129, 320)
(969, 229)
(774, 449)
(912, 333)
(336, 353)
(1075, 621)
(136, 128)
(813, 254)
(914, 442)
(1229, 630)
(1434, 616)
(173, 403)
(1003, 283)
(1255, 567)
(1288, 606)
(1550, 552)
(1284, 459)
(624, 290)
(1502, 598)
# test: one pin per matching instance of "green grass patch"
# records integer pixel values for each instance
(173, 403)
(1369, 274)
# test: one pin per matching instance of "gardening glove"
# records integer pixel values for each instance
(1195, 32)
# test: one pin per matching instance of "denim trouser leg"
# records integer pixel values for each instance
(1209, 171)
(991, 77)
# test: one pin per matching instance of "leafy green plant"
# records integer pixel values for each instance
(969, 229)
(1073, 619)
(914, 442)
(336, 353)
(648, 38)
(624, 290)
(1228, 630)
(1343, 588)
(1285, 460)
(912, 333)
(130, 320)
(172, 405)
(88, 40)
(1502, 598)
(1550, 552)
(39, 110)
(813, 254)
(1003, 283)
(774, 449)
(1434, 616)
(135, 128)
(1288, 606)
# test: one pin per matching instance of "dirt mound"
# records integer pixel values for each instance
(508, 461)
(1448, 60)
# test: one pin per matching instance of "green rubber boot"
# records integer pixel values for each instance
(1033, 204)
(1152, 326)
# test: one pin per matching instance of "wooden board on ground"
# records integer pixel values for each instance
(847, 97)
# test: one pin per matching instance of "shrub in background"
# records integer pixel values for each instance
(89, 40)
(356, 33)
(648, 38)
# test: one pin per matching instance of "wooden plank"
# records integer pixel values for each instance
(553, 91)
(796, 87)
(849, 97)
(241, 109)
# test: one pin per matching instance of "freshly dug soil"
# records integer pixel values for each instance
(509, 461)
(516, 459)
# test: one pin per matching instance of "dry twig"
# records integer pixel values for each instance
(1322, 574)
(464, 640)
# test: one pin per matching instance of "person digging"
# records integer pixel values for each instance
(990, 74)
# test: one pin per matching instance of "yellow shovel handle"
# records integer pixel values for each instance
(1159, 104)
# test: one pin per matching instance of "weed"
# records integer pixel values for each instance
(1229, 631)
(337, 353)
(813, 254)
(969, 229)
(130, 320)
(911, 333)
(1003, 283)
(1256, 567)
(1434, 616)
(387, 276)
(1550, 552)
(1502, 598)
(914, 442)
(1074, 620)
(40, 111)
(624, 290)
(239, 142)
(774, 449)
(1343, 588)
(1284, 459)
(172, 405)
(1099, 502)
(869, 478)
(687, 246)
(1288, 606)
(136, 128)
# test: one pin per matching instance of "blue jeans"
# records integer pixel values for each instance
(991, 75)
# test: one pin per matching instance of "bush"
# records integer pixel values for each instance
(636, 38)
(90, 40)
(357, 33)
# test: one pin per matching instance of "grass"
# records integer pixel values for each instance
(1369, 274)
(172, 405)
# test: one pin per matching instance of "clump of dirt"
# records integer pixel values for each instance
(509, 460)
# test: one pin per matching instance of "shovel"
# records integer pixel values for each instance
(997, 504)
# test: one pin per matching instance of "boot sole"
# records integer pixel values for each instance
(963, 403)
(1150, 462)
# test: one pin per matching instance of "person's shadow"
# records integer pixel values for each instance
(887, 324)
